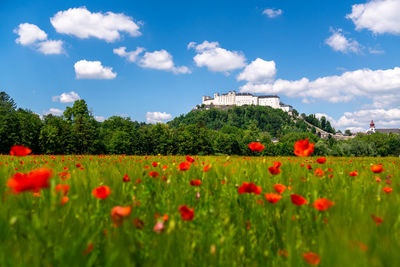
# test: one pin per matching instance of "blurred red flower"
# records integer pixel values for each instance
(196, 182)
(186, 213)
(279, 188)
(249, 188)
(118, 214)
(319, 172)
(321, 160)
(64, 188)
(323, 204)
(126, 178)
(101, 192)
(184, 166)
(353, 173)
(378, 220)
(153, 174)
(274, 170)
(272, 197)
(312, 258)
(20, 151)
(303, 148)
(256, 146)
(387, 190)
(377, 168)
(189, 159)
(32, 181)
(298, 200)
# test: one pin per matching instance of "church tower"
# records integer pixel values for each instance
(372, 127)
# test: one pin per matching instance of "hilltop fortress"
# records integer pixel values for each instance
(240, 99)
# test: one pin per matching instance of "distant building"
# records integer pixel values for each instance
(240, 99)
(372, 129)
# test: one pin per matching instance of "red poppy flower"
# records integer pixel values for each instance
(186, 213)
(298, 200)
(118, 214)
(153, 174)
(279, 188)
(64, 176)
(184, 166)
(64, 188)
(32, 181)
(387, 190)
(303, 148)
(155, 164)
(101, 192)
(272, 197)
(64, 200)
(189, 159)
(353, 173)
(196, 182)
(309, 167)
(126, 178)
(377, 168)
(377, 220)
(256, 146)
(249, 188)
(206, 168)
(20, 151)
(323, 204)
(312, 258)
(319, 172)
(321, 160)
(274, 170)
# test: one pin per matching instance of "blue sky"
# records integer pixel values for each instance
(338, 58)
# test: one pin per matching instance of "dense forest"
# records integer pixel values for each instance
(212, 131)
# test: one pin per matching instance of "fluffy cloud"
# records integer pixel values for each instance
(66, 97)
(272, 13)
(378, 16)
(340, 43)
(100, 118)
(215, 58)
(54, 111)
(154, 117)
(83, 24)
(359, 120)
(258, 71)
(161, 60)
(29, 34)
(93, 70)
(131, 56)
(374, 84)
(51, 47)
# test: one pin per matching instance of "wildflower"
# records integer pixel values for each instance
(186, 213)
(206, 168)
(321, 160)
(353, 173)
(189, 159)
(256, 146)
(377, 220)
(274, 170)
(272, 197)
(126, 178)
(319, 172)
(155, 164)
(64, 176)
(279, 188)
(303, 148)
(196, 182)
(20, 151)
(64, 200)
(118, 214)
(64, 188)
(387, 190)
(249, 188)
(312, 258)
(298, 200)
(101, 192)
(184, 166)
(32, 181)
(322, 204)
(153, 174)
(377, 168)
(159, 227)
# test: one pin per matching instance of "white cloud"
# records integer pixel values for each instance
(258, 71)
(376, 51)
(161, 60)
(340, 43)
(29, 34)
(359, 120)
(83, 24)
(154, 117)
(217, 59)
(131, 56)
(373, 84)
(54, 111)
(100, 118)
(51, 47)
(93, 70)
(66, 97)
(378, 16)
(272, 13)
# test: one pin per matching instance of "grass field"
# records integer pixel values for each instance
(73, 227)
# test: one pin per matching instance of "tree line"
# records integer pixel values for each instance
(199, 132)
